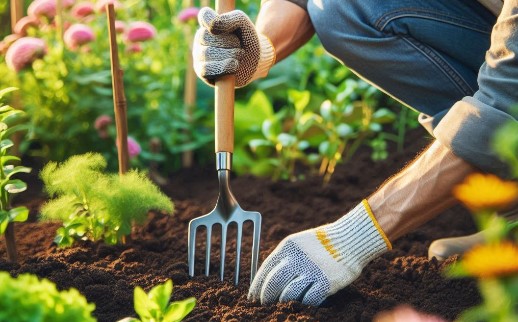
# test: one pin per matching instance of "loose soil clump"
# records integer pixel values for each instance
(157, 250)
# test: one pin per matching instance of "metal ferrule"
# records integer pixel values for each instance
(223, 161)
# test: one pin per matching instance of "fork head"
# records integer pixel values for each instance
(226, 212)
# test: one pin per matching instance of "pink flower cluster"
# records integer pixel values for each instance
(23, 52)
(78, 35)
(46, 8)
(188, 14)
(140, 31)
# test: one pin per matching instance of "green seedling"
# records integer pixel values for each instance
(28, 298)
(93, 205)
(9, 185)
(155, 307)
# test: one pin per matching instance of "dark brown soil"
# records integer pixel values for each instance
(157, 251)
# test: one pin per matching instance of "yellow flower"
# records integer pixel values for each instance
(492, 260)
(486, 192)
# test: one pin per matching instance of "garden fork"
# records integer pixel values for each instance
(227, 210)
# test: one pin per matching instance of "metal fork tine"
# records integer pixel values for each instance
(255, 245)
(192, 245)
(223, 249)
(238, 251)
(207, 250)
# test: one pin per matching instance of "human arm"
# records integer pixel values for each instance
(286, 24)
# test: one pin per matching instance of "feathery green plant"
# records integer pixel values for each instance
(94, 205)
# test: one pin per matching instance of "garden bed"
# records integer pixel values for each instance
(157, 251)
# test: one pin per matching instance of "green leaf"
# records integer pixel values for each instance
(256, 143)
(286, 140)
(160, 294)
(15, 186)
(18, 214)
(10, 170)
(5, 144)
(383, 115)
(178, 310)
(7, 90)
(271, 128)
(141, 303)
(299, 98)
(344, 130)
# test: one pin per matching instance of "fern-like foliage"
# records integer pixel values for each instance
(94, 205)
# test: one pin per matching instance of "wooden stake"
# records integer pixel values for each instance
(190, 87)
(119, 99)
(16, 12)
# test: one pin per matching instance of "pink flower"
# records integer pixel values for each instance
(46, 8)
(134, 148)
(101, 125)
(78, 35)
(83, 9)
(100, 6)
(140, 31)
(23, 52)
(134, 47)
(188, 14)
(120, 26)
(24, 24)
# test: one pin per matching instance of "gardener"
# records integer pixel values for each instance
(426, 54)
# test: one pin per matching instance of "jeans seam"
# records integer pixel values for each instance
(384, 20)
(436, 59)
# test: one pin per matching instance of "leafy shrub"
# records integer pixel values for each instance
(94, 205)
(66, 87)
(155, 307)
(27, 298)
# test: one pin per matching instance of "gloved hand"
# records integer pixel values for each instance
(311, 265)
(229, 44)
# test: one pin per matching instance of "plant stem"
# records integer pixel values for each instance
(10, 243)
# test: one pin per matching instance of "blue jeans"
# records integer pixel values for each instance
(428, 55)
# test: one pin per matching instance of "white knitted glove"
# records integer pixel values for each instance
(229, 44)
(311, 265)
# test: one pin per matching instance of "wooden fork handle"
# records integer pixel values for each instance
(224, 99)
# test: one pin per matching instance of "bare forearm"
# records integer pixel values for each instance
(287, 26)
(419, 192)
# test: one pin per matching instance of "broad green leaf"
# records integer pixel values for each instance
(255, 143)
(15, 186)
(160, 294)
(344, 130)
(7, 90)
(141, 303)
(178, 310)
(383, 115)
(286, 140)
(5, 144)
(18, 214)
(299, 98)
(8, 158)
(271, 128)
(10, 170)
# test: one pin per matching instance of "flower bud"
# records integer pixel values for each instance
(134, 148)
